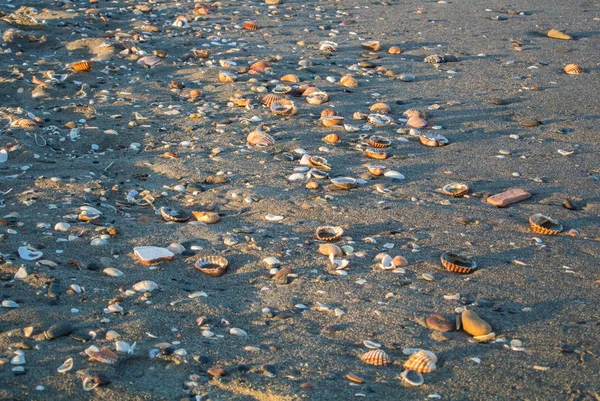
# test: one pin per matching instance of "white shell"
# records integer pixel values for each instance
(66, 366)
(122, 346)
(145, 286)
(237, 332)
(29, 253)
(112, 272)
(7, 303)
(21, 273)
(387, 262)
(371, 344)
(394, 175)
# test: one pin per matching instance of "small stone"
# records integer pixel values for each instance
(440, 323)
(508, 197)
(93, 266)
(271, 262)
(176, 248)
(62, 227)
(217, 372)
(474, 325)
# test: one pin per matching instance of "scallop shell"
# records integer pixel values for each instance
(416, 122)
(372, 45)
(328, 249)
(544, 225)
(378, 119)
(284, 107)
(573, 69)
(422, 361)
(395, 50)
(268, 100)
(282, 89)
(260, 138)
(343, 182)
(329, 233)
(380, 108)
(349, 81)
(457, 263)
(105, 355)
(433, 140)
(455, 189)
(66, 366)
(332, 138)
(375, 153)
(290, 78)
(317, 97)
(332, 121)
(172, 214)
(377, 357)
(250, 26)
(82, 66)
(214, 266)
(318, 161)
(207, 217)
(377, 141)
(227, 77)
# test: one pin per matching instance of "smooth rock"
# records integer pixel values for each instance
(440, 323)
(474, 325)
(509, 197)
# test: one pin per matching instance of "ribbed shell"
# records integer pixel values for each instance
(376, 357)
(377, 141)
(171, 214)
(291, 78)
(414, 113)
(457, 263)
(349, 81)
(268, 100)
(332, 138)
(545, 225)
(377, 154)
(329, 233)
(250, 26)
(260, 138)
(573, 69)
(422, 361)
(105, 355)
(82, 66)
(456, 190)
(332, 121)
(212, 265)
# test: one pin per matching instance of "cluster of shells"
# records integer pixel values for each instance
(419, 362)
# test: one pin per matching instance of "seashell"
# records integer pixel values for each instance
(416, 122)
(312, 185)
(434, 59)
(395, 50)
(329, 233)
(284, 107)
(332, 138)
(317, 174)
(172, 214)
(349, 81)
(308, 90)
(414, 113)
(250, 26)
(485, 337)
(89, 385)
(317, 97)
(378, 119)
(371, 344)
(377, 141)
(354, 378)
(66, 366)
(82, 66)
(387, 263)
(200, 53)
(282, 89)
(457, 263)
(105, 355)
(214, 266)
(556, 34)
(422, 361)
(145, 286)
(332, 121)
(328, 249)
(455, 189)
(227, 77)
(573, 69)
(290, 78)
(343, 182)
(376, 153)
(7, 303)
(380, 108)
(544, 225)
(207, 217)
(377, 357)
(406, 77)
(328, 46)
(112, 272)
(318, 161)
(259, 138)
(372, 45)
(357, 115)
(433, 140)
(259, 65)
(29, 253)
(530, 122)
(328, 113)
(412, 377)
(201, 9)
(376, 169)
(25, 123)
(239, 102)
(268, 100)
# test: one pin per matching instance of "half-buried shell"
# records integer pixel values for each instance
(380, 108)
(433, 140)
(172, 214)
(329, 233)
(457, 263)
(207, 217)
(545, 225)
(343, 182)
(377, 357)
(377, 141)
(214, 266)
(422, 361)
(455, 189)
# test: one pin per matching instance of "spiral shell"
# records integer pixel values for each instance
(82, 66)
(284, 107)
(250, 26)
(104, 355)
(318, 161)
(422, 361)
(268, 100)
(214, 266)
(377, 357)
(332, 121)
(260, 138)
(455, 189)
(457, 263)
(349, 81)
(544, 225)
(317, 97)
(290, 78)
(227, 77)
(372, 45)
(573, 69)
(332, 138)
(377, 141)
(329, 233)
(207, 217)
(376, 153)
(380, 108)
(395, 50)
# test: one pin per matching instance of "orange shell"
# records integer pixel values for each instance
(250, 26)
(170, 155)
(328, 113)
(291, 78)
(416, 122)
(194, 93)
(377, 141)
(380, 108)
(201, 53)
(332, 121)
(259, 66)
(374, 153)
(573, 69)
(317, 161)
(284, 107)
(376, 357)
(372, 45)
(309, 90)
(414, 113)
(395, 50)
(105, 355)
(268, 100)
(239, 102)
(226, 77)
(25, 123)
(329, 248)
(332, 138)
(349, 81)
(422, 361)
(82, 66)
(317, 98)
(456, 263)
(201, 9)
(545, 225)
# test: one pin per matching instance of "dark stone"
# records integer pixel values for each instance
(440, 323)
(93, 266)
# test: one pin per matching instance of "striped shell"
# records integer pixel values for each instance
(227, 77)
(214, 266)
(332, 121)
(573, 69)
(457, 263)
(284, 107)
(249, 26)
(422, 361)
(328, 249)
(376, 357)
(290, 78)
(372, 45)
(380, 108)
(375, 153)
(105, 355)
(455, 189)
(317, 97)
(349, 81)
(545, 225)
(377, 141)
(329, 233)
(268, 100)
(318, 161)
(395, 50)
(82, 66)
(332, 138)
(260, 138)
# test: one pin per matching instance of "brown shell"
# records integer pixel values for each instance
(207, 217)
(318, 161)
(395, 50)
(332, 138)
(290, 78)
(544, 225)
(332, 121)
(457, 263)
(349, 81)
(227, 77)
(260, 138)
(380, 108)
(422, 361)
(317, 97)
(328, 113)
(573, 69)
(329, 248)
(26, 123)
(377, 141)
(214, 266)
(329, 233)
(416, 122)
(201, 53)
(268, 100)
(195, 93)
(82, 66)
(170, 155)
(239, 102)
(259, 65)
(284, 107)
(377, 357)
(250, 26)
(375, 153)
(105, 355)
(455, 189)
(372, 45)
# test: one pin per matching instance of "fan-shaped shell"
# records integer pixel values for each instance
(284, 107)
(372, 45)
(332, 121)
(105, 355)
(329, 248)
(82, 66)
(318, 161)
(457, 263)
(377, 141)
(544, 225)
(260, 138)
(380, 108)
(377, 357)
(268, 100)
(416, 122)
(259, 65)
(207, 217)
(329, 233)
(214, 266)
(395, 50)
(290, 78)
(573, 69)
(433, 140)
(455, 189)
(349, 81)
(422, 361)
(227, 77)
(317, 97)
(249, 26)
(332, 138)
(172, 214)
(375, 153)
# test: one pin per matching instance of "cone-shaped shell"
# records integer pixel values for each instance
(214, 266)
(376, 153)
(105, 355)
(268, 100)
(422, 361)
(376, 357)
(372, 45)
(284, 107)
(556, 34)
(227, 77)
(259, 138)
(291, 78)
(544, 225)
(457, 263)
(349, 81)
(172, 214)
(332, 138)
(377, 141)
(329, 233)
(332, 121)
(250, 26)
(573, 69)
(82, 66)
(395, 50)
(455, 189)
(317, 97)
(380, 108)
(207, 217)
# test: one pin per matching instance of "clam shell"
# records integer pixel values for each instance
(375, 153)
(317, 174)
(395, 50)
(259, 65)
(433, 140)
(328, 46)
(343, 182)
(82, 66)
(332, 138)
(380, 108)
(317, 97)
(573, 69)
(416, 122)
(200, 53)
(282, 89)
(214, 266)
(376, 169)
(349, 81)
(357, 115)
(259, 138)
(328, 248)
(378, 119)
(372, 45)
(412, 377)
(544, 225)
(455, 189)
(207, 217)
(457, 263)
(284, 107)
(414, 113)
(377, 141)
(268, 100)
(145, 286)
(291, 78)
(377, 357)
(328, 113)
(329, 233)
(237, 101)
(227, 77)
(112, 272)
(332, 121)
(318, 161)
(485, 337)
(66, 366)
(172, 214)
(307, 90)
(250, 26)
(105, 355)
(422, 361)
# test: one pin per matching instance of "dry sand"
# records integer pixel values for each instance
(549, 301)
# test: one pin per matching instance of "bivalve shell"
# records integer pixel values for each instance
(377, 141)
(377, 357)
(416, 122)
(172, 214)
(66, 366)
(145, 286)
(82, 66)
(332, 121)
(422, 361)
(318, 161)
(250, 26)
(329, 233)
(207, 217)
(376, 153)
(395, 50)
(343, 182)
(349, 81)
(455, 189)
(544, 225)
(318, 97)
(457, 263)
(260, 138)
(282, 89)
(414, 113)
(378, 119)
(412, 377)
(376, 169)
(290, 78)
(328, 113)
(380, 108)
(214, 266)
(433, 140)
(284, 107)
(268, 100)
(372, 45)
(227, 77)
(328, 249)
(573, 69)
(332, 138)
(105, 355)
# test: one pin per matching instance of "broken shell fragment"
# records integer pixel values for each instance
(207, 217)
(378, 119)
(433, 140)
(343, 182)
(545, 225)
(214, 266)
(377, 141)
(412, 377)
(66, 366)
(556, 34)
(329, 233)
(573, 69)
(318, 161)
(284, 107)
(105, 355)
(349, 81)
(422, 361)
(457, 263)
(377, 357)
(172, 214)
(455, 189)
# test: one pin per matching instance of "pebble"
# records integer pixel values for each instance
(474, 325)
(440, 323)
